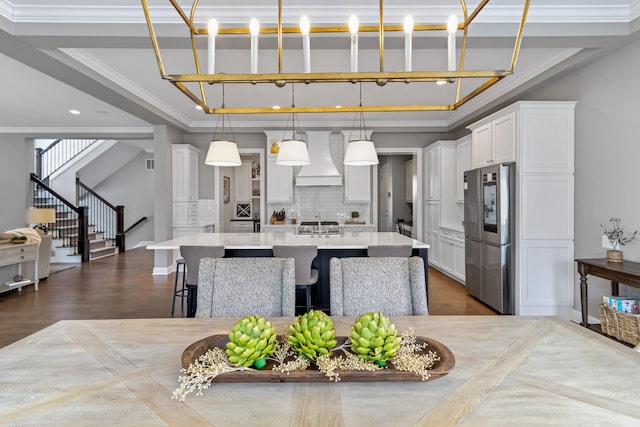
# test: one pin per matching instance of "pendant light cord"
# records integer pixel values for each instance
(222, 117)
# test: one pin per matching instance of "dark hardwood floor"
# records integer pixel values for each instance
(122, 287)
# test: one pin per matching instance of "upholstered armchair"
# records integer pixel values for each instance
(235, 287)
(394, 286)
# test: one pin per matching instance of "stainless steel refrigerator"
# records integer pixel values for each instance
(489, 226)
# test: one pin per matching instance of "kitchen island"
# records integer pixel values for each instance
(509, 370)
(260, 245)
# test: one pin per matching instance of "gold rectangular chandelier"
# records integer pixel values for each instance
(455, 72)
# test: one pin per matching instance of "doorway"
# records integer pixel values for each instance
(395, 195)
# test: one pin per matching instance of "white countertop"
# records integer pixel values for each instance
(350, 240)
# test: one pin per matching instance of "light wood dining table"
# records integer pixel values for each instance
(508, 371)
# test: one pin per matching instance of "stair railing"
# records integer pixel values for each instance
(135, 224)
(72, 225)
(57, 154)
(106, 218)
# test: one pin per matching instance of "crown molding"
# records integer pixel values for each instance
(321, 14)
(104, 131)
(203, 126)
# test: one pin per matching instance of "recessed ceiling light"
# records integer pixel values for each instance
(198, 107)
(276, 107)
(441, 82)
(74, 112)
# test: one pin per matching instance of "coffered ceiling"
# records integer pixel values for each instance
(95, 56)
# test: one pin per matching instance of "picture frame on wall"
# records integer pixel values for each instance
(226, 188)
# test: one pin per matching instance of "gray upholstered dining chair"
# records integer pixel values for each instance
(306, 276)
(235, 287)
(191, 256)
(403, 251)
(395, 286)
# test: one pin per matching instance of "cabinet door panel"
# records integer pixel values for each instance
(504, 138)
(279, 182)
(481, 153)
(447, 251)
(357, 184)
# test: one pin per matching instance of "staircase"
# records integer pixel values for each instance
(82, 231)
(65, 235)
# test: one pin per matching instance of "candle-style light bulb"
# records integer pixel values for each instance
(212, 29)
(254, 29)
(353, 29)
(305, 27)
(408, 39)
(452, 27)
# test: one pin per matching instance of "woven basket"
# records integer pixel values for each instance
(623, 326)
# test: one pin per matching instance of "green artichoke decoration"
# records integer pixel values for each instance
(250, 341)
(374, 338)
(312, 334)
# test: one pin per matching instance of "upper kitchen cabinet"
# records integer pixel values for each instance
(463, 163)
(184, 172)
(279, 178)
(439, 161)
(184, 184)
(493, 141)
(357, 179)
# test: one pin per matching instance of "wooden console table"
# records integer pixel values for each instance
(19, 254)
(625, 272)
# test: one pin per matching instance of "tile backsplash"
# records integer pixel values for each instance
(326, 201)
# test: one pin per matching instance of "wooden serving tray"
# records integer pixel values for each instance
(312, 374)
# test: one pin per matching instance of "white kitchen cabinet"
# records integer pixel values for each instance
(409, 174)
(242, 186)
(293, 229)
(539, 135)
(242, 226)
(279, 181)
(357, 184)
(463, 163)
(357, 179)
(448, 255)
(434, 255)
(184, 184)
(351, 228)
(184, 172)
(432, 175)
(459, 266)
(452, 253)
(493, 142)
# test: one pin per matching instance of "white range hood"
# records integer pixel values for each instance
(321, 171)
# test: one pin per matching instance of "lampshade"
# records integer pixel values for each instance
(361, 152)
(223, 153)
(293, 152)
(40, 216)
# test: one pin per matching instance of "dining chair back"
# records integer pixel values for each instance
(392, 285)
(237, 287)
(306, 276)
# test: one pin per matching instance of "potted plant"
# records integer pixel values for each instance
(617, 238)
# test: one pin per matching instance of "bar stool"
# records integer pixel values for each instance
(179, 293)
(306, 276)
(192, 256)
(403, 251)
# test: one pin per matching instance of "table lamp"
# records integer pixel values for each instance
(40, 217)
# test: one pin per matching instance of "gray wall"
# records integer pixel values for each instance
(15, 187)
(607, 154)
(132, 187)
